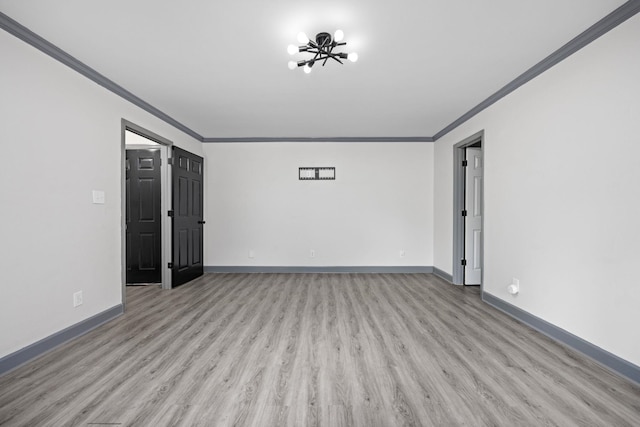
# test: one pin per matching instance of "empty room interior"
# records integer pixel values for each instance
(320, 213)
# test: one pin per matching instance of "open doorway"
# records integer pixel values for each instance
(146, 233)
(468, 208)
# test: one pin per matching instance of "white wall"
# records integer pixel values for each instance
(61, 139)
(380, 204)
(562, 193)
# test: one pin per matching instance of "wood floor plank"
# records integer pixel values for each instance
(314, 350)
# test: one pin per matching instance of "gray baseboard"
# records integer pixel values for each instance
(310, 269)
(603, 357)
(39, 348)
(441, 274)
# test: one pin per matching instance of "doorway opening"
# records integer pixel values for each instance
(468, 207)
(146, 193)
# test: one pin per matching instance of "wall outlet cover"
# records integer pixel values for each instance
(77, 298)
(98, 197)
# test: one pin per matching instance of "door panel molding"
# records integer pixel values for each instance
(144, 224)
(187, 219)
(473, 219)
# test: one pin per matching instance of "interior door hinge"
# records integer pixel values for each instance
(170, 161)
(464, 212)
(170, 213)
(465, 163)
(170, 265)
(463, 262)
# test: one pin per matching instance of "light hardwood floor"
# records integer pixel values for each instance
(314, 349)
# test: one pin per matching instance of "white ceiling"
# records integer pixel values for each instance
(220, 67)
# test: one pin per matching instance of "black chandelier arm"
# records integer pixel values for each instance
(329, 54)
(311, 45)
(335, 57)
(319, 58)
(315, 58)
(314, 51)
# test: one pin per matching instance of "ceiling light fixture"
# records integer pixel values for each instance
(321, 49)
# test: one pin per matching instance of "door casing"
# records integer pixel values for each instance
(458, 206)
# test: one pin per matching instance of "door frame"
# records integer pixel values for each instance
(458, 206)
(165, 200)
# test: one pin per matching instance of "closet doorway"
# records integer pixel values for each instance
(146, 194)
(468, 208)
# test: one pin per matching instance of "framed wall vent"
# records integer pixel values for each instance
(310, 174)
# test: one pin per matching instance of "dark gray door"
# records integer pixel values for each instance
(187, 221)
(143, 236)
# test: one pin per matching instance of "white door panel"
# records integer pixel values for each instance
(473, 220)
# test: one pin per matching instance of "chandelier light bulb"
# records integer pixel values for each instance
(292, 49)
(302, 38)
(307, 69)
(292, 65)
(338, 36)
(353, 57)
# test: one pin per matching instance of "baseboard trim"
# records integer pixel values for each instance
(20, 357)
(441, 274)
(603, 357)
(311, 269)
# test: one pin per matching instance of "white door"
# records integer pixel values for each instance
(473, 219)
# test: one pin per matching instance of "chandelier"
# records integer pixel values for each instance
(321, 49)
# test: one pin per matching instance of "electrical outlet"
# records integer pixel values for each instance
(312, 253)
(402, 253)
(252, 254)
(514, 287)
(77, 298)
(98, 197)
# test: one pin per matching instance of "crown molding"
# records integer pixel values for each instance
(606, 24)
(612, 20)
(322, 139)
(28, 36)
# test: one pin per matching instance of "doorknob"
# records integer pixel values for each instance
(201, 222)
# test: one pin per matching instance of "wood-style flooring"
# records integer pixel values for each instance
(314, 350)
